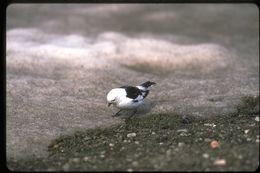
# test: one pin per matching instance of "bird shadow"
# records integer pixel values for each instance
(142, 110)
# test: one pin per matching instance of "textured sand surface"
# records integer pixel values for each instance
(63, 59)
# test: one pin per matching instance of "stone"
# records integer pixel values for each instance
(130, 135)
(220, 162)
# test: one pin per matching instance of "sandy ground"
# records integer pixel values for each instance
(63, 59)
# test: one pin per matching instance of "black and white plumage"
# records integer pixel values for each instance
(129, 97)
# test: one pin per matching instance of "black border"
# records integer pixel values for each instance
(6, 3)
(130, 1)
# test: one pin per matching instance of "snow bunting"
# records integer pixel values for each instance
(129, 97)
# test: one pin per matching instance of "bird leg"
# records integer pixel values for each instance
(133, 113)
(117, 114)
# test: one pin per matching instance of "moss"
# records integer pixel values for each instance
(249, 105)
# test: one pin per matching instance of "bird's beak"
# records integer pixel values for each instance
(109, 104)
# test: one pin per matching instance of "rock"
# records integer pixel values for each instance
(248, 139)
(137, 142)
(257, 119)
(220, 162)
(240, 157)
(185, 134)
(56, 146)
(210, 125)
(130, 135)
(182, 130)
(246, 131)
(86, 138)
(86, 158)
(75, 160)
(111, 145)
(205, 155)
(135, 163)
(214, 144)
(180, 144)
(129, 170)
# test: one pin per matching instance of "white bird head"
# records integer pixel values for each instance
(113, 96)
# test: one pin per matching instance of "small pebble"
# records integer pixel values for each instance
(220, 162)
(205, 155)
(157, 166)
(136, 142)
(161, 143)
(129, 170)
(252, 125)
(56, 146)
(182, 130)
(135, 163)
(180, 144)
(210, 125)
(125, 141)
(214, 144)
(130, 135)
(257, 119)
(184, 134)
(257, 140)
(85, 158)
(246, 131)
(87, 138)
(111, 145)
(102, 155)
(75, 160)
(153, 133)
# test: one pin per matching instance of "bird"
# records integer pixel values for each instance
(128, 97)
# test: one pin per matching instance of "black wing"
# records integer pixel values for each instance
(132, 92)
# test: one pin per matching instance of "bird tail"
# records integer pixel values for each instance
(147, 84)
(144, 87)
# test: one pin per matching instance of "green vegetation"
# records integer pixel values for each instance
(249, 105)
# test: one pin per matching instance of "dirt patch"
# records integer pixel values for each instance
(154, 143)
